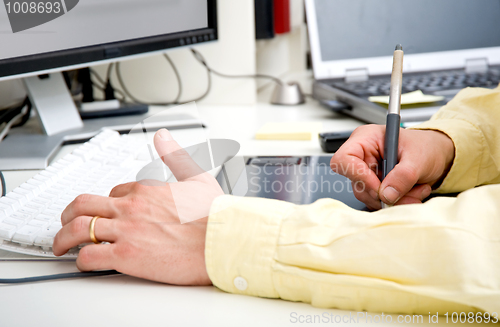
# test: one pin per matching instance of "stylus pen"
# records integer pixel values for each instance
(393, 118)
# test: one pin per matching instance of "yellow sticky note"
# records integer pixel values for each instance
(288, 131)
(409, 98)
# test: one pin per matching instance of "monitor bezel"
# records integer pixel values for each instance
(86, 56)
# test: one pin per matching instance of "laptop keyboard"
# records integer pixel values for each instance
(426, 82)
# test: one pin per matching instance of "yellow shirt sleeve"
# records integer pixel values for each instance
(441, 256)
(472, 121)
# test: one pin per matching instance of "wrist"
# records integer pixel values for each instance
(447, 149)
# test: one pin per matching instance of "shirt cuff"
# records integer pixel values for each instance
(241, 262)
(469, 145)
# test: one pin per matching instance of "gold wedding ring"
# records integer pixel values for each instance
(92, 230)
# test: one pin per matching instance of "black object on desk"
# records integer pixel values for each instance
(331, 142)
(125, 109)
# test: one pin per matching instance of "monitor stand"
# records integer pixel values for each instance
(33, 145)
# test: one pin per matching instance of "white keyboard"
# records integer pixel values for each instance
(30, 215)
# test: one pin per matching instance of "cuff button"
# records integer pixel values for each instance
(240, 283)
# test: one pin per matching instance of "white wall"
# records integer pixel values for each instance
(284, 53)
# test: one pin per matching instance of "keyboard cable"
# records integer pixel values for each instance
(36, 279)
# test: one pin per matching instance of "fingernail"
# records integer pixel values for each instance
(374, 195)
(390, 194)
(426, 192)
(165, 135)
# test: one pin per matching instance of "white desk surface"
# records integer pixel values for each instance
(127, 301)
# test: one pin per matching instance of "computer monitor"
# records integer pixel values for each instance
(42, 38)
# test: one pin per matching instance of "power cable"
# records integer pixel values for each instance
(202, 60)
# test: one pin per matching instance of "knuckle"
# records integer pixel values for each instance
(115, 190)
(84, 257)
(78, 226)
(336, 161)
(179, 154)
(81, 201)
(360, 129)
(132, 205)
(124, 250)
(410, 173)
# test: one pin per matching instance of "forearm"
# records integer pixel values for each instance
(424, 258)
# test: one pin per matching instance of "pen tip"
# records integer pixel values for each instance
(399, 47)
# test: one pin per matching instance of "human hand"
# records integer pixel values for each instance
(142, 225)
(425, 157)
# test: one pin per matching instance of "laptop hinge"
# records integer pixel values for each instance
(356, 75)
(477, 65)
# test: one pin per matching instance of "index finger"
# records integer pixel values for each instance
(352, 162)
(175, 157)
(89, 205)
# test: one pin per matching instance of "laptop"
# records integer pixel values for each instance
(448, 45)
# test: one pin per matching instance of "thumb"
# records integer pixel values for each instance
(399, 182)
(176, 158)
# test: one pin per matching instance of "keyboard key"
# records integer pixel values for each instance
(37, 183)
(50, 212)
(57, 208)
(42, 178)
(26, 234)
(16, 196)
(31, 188)
(38, 223)
(48, 174)
(14, 204)
(6, 209)
(45, 238)
(7, 231)
(14, 221)
(42, 201)
(45, 218)
(27, 212)
(35, 206)
(72, 158)
(48, 196)
(21, 215)
(27, 194)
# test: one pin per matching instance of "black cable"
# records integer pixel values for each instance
(26, 117)
(178, 76)
(102, 88)
(209, 85)
(58, 276)
(202, 60)
(109, 90)
(9, 113)
(2, 181)
(109, 71)
(99, 78)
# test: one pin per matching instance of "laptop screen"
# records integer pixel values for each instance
(367, 28)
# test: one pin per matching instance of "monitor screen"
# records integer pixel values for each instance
(43, 34)
(350, 29)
